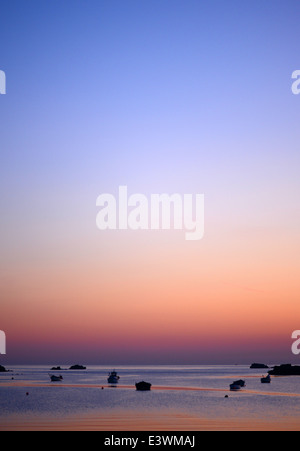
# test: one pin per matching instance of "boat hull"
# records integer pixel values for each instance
(143, 386)
(266, 379)
(240, 382)
(113, 380)
(56, 378)
(234, 387)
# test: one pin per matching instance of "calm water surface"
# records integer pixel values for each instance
(193, 390)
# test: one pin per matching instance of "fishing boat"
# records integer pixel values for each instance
(55, 378)
(240, 382)
(266, 380)
(113, 378)
(143, 386)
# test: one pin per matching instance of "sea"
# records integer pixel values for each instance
(199, 392)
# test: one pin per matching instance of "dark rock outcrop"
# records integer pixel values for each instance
(77, 367)
(258, 366)
(285, 370)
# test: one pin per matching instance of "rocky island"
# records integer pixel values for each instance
(258, 366)
(77, 367)
(285, 370)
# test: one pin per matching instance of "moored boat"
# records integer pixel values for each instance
(266, 380)
(55, 378)
(143, 386)
(113, 378)
(240, 382)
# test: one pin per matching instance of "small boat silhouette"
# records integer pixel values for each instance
(240, 382)
(143, 386)
(113, 378)
(55, 378)
(266, 380)
(237, 385)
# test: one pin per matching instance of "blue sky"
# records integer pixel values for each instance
(159, 95)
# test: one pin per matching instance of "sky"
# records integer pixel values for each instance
(161, 96)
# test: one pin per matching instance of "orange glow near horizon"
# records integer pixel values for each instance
(156, 300)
